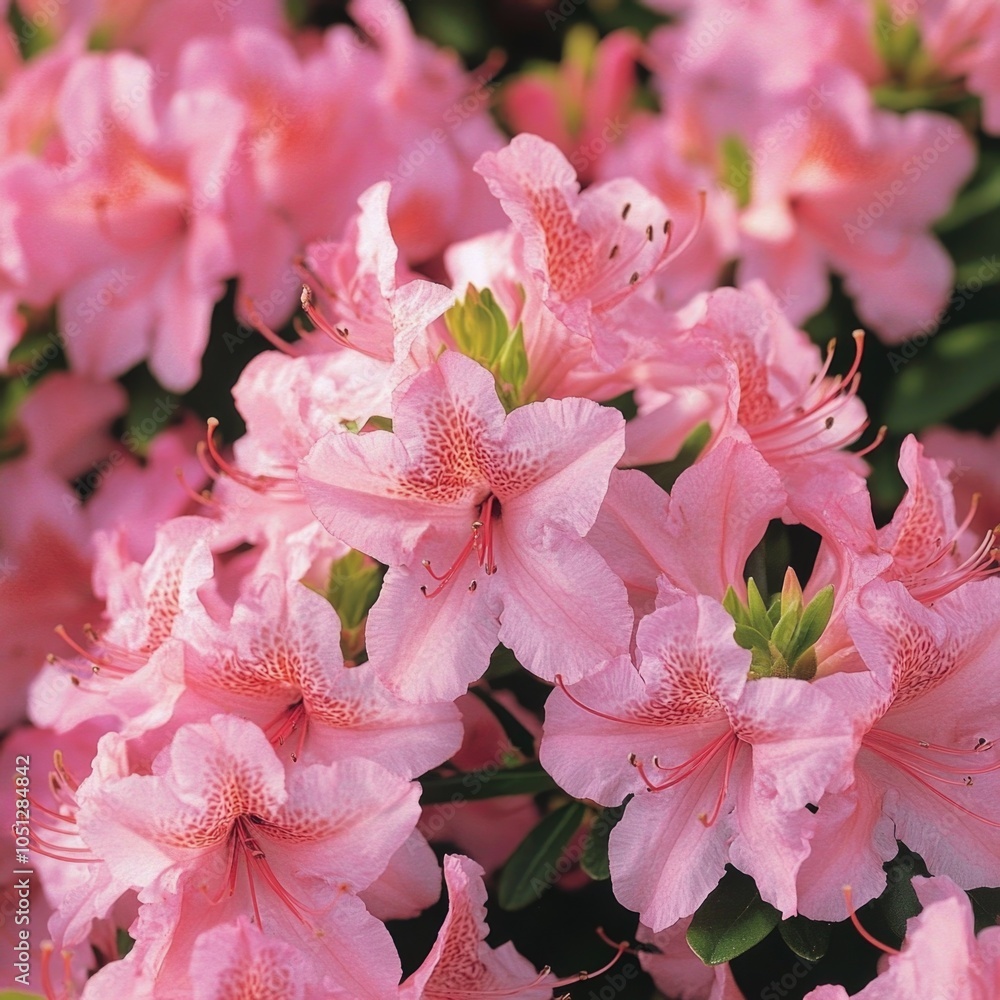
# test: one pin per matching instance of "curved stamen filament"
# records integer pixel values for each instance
(202, 497)
(260, 484)
(480, 542)
(815, 411)
(596, 712)
(724, 791)
(257, 322)
(243, 844)
(892, 755)
(99, 664)
(852, 913)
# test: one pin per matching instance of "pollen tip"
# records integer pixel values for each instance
(634, 278)
(632, 759)
(212, 423)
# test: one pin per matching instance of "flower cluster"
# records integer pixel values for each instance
(502, 558)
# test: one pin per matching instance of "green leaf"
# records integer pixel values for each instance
(811, 625)
(899, 900)
(512, 362)
(985, 907)
(594, 860)
(731, 920)
(503, 663)
(758, 609)
(487, 783)
(809, 939)
(17, 995)
(732, 604)
(946, 376)
(533, 867)
(749, 638)
(518, 735)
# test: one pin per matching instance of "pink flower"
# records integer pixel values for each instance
(975, 471)
(722, 767)
(855, 190)
(480, 517)
(370, 302)
(461, 963)
(71, 479)
(588, 251)
(923, 536)
(941, 956)
(926, 771)
(653, 151)
(218, 831)
(277, 662)
(137, 273)
(133, 669)
(754, 377)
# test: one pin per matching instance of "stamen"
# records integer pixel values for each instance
(885, 745)
(260, 484)
(339, 335)
(480, 542)
(857, 924)
(601, 715)
(203, 497)
(257, 322)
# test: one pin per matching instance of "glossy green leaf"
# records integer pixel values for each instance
(731, 920)
(487, 783)
(809, 939)
(594, 860)
(534, 866)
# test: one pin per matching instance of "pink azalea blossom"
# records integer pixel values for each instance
(138, 273)
(480, 517)
(461, 963)
(277, 662)
(70, 480)
(752, 376)
(721, 767)
(926, 771)
(975, 472)
(462, 966)
(588, 251)
(941, 956)
(219, 831)
(930, 554)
